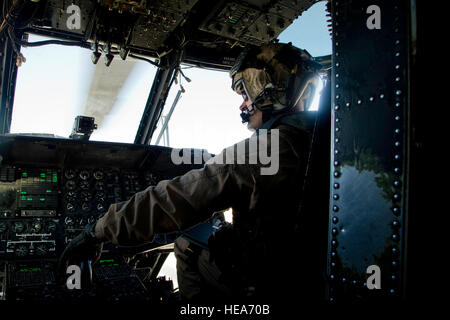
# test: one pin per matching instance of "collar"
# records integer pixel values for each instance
(303, 120)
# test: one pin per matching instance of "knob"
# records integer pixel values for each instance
(69, 174)
(100, 186)
(21, 250)
(36, 226)
(70, 207)
(68, 221)
(98, 175)
(71, 195)
(51, 226)
(84, 174)
(86, 196)
(41, 249)
(82, 222)
(84, 185)
(18, 227)
(100, 196)
(70, 185)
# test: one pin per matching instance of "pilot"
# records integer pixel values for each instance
(277, 82)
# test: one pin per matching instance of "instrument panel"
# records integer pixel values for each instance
(42, 209)
(29, 212)
(50, 189)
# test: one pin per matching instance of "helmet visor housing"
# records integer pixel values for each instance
(252, 80)
(276, 74)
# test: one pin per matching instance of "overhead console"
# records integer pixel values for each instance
(254, 22)
(154, 28)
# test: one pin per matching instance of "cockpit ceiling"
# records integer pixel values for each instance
(209, 32)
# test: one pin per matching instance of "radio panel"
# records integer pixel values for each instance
(29, 203)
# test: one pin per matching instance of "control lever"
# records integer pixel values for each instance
(86, 275)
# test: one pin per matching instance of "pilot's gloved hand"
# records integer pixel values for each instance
(222, 247)
(83, 247)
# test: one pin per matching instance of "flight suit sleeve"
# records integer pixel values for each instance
(175, 205)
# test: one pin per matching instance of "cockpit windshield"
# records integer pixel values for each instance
(57, 83)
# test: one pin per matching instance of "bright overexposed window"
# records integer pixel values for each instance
(58, 83)
(207, 115)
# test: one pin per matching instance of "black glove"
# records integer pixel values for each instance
(83, 247)
(222, 248)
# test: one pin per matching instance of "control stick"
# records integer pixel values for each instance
(86, 275)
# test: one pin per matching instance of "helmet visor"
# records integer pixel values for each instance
(253, 81)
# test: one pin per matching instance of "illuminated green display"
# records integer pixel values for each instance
(29, 269)
(108, 263)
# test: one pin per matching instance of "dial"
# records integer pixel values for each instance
(68, 221)
(18, 227)
(69, 174)
(98, 175)
(41, 249)
(51, 226)
(151, 179)
(71, 195)
(36, 226)
(100, 206)
(137, 186)
(21, 250)
(100, 186)
(86, 196)
(82, 223)
(70, 207)
(84, 174)
(71, 185)
(100, 196)
(84, 185)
